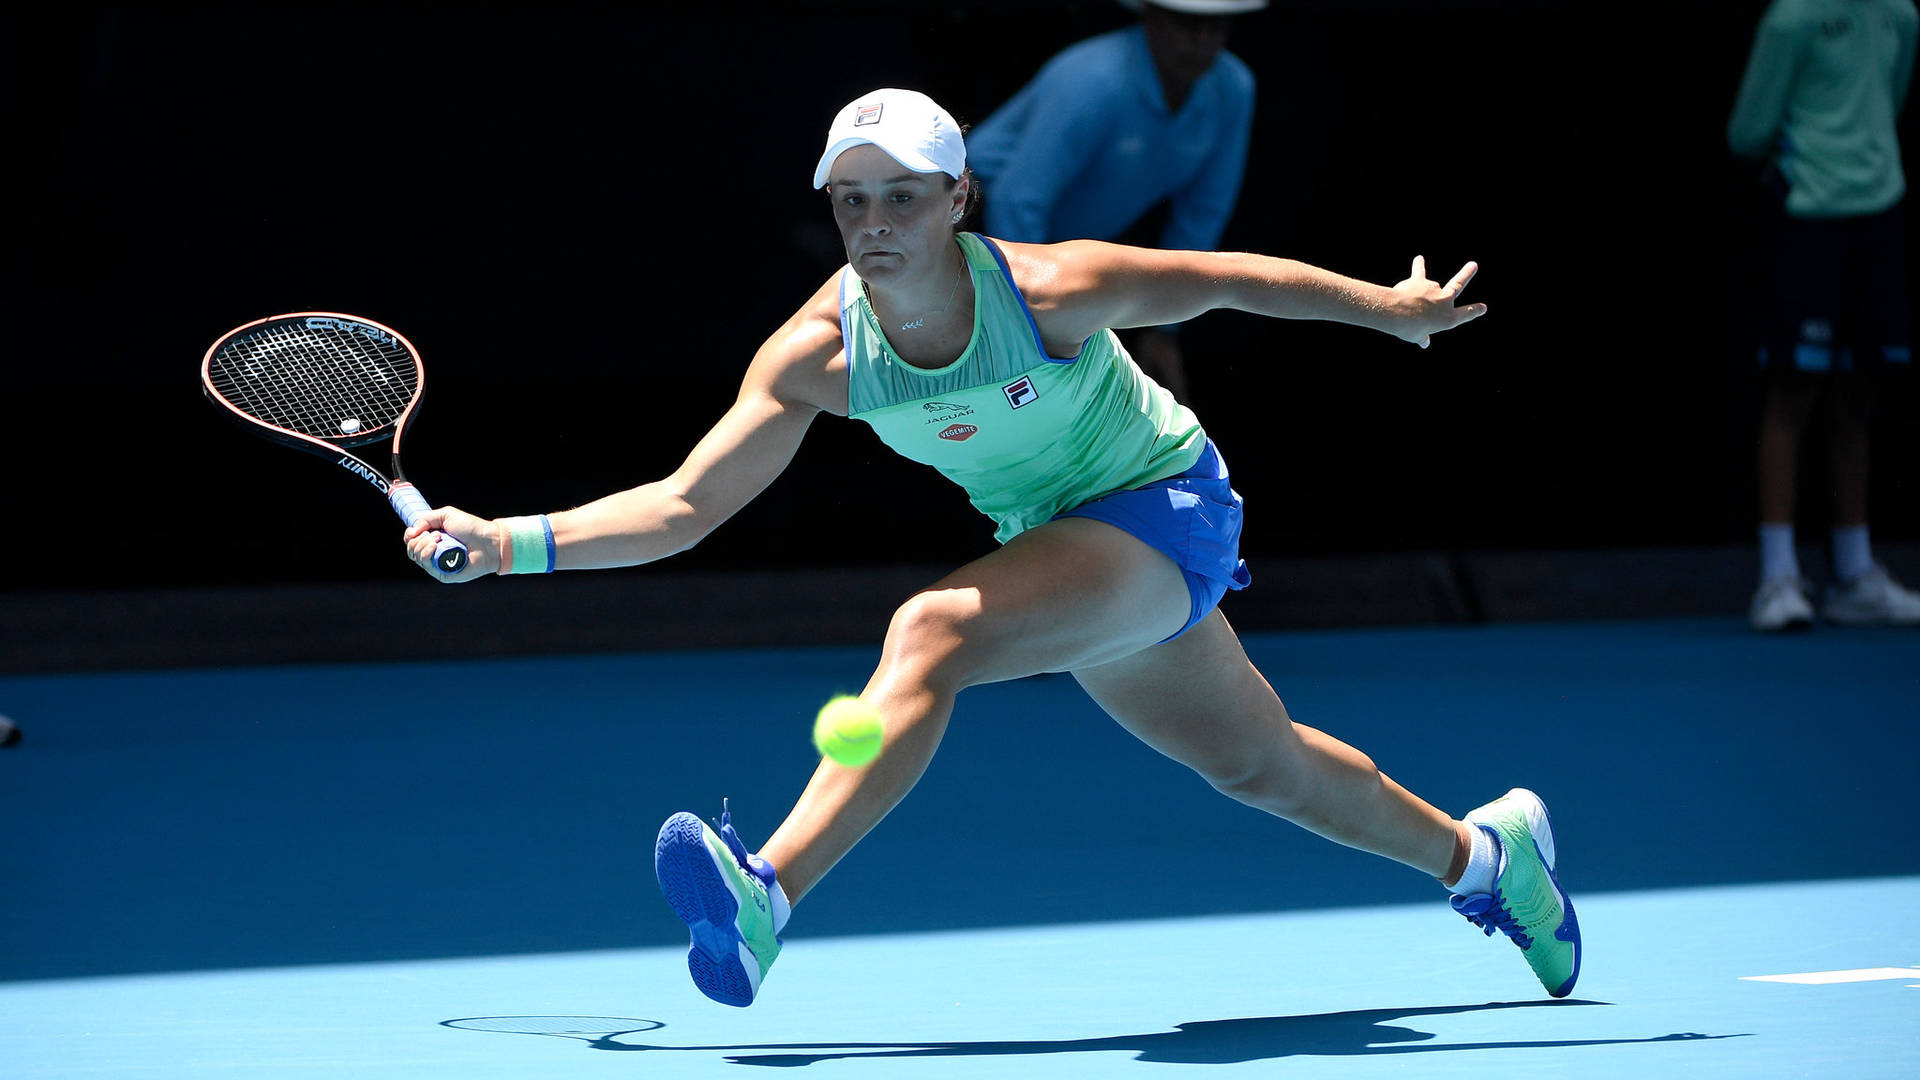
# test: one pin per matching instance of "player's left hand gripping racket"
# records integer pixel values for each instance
(322, 382)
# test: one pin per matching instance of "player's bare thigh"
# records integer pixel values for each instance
(1200, 701)
(1197, 699)
(1070, 593)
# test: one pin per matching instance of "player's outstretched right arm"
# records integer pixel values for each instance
(791, 380)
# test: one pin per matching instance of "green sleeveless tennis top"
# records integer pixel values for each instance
(1025, 434)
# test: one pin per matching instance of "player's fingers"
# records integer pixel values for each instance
(434, 520)
(419, 544)
(1419, 272)
(422, 550)
(1460, 279)
(421, 536)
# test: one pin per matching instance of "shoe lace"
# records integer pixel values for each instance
(1490, 913)
(748, 861)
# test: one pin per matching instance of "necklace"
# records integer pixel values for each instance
(916, 324)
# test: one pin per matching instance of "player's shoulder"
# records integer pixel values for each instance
(814, 332)
(1045, 274)
(798, 360)
(1034, 268)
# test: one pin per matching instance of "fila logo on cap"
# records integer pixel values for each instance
(869, 114)
(1020, 392)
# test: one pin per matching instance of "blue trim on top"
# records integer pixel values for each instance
(846, 331)
(1040, 346)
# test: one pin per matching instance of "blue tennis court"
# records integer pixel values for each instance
(368, 870)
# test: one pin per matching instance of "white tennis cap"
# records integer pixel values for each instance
(1200, 7)
(907, 124)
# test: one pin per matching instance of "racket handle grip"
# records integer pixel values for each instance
(449, 555)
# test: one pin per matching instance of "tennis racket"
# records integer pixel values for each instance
(323, 382)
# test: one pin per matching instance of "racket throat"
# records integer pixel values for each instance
(362, 470)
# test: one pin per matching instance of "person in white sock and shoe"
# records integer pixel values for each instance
(1824, 86)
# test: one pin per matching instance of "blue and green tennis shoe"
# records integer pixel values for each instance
(1527, 903)
(726, 896)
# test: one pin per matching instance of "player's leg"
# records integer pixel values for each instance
(1065, 594)
(1108, 579)
(1199, 700)
(1068, 593)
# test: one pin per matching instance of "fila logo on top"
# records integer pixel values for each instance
(868, 114)
(1020, 392)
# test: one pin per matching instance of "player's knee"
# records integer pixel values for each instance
(1271, 782)
(930, 632)
(1260, 785)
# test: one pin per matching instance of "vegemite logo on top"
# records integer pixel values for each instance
(959, 432)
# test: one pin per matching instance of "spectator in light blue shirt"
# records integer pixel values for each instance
(1152, 119)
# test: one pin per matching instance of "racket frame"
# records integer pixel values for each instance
(450, 555)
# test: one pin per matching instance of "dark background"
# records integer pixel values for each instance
(588, 218)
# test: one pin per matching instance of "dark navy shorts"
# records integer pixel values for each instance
(1837, 296)
(1193, 519)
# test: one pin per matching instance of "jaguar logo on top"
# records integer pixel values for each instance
(946, 412)
(940, 412)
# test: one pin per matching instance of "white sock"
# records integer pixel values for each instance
(1777, 557)
(1483, 865)
(1852, 554)
(782, 910)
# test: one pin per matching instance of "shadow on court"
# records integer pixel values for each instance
(1203, 1042)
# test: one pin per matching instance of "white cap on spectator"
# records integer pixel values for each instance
(908, 125)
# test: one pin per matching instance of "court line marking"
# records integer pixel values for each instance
(1823, 978)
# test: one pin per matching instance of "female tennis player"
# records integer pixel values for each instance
(997, 364)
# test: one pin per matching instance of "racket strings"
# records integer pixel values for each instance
(329, 382)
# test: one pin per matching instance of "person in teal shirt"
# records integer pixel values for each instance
(1139, 134)
(1817, 109)
(996, 363)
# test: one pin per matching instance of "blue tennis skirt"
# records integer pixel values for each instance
(1193, 518)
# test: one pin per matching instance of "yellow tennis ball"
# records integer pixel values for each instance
(847, 731)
